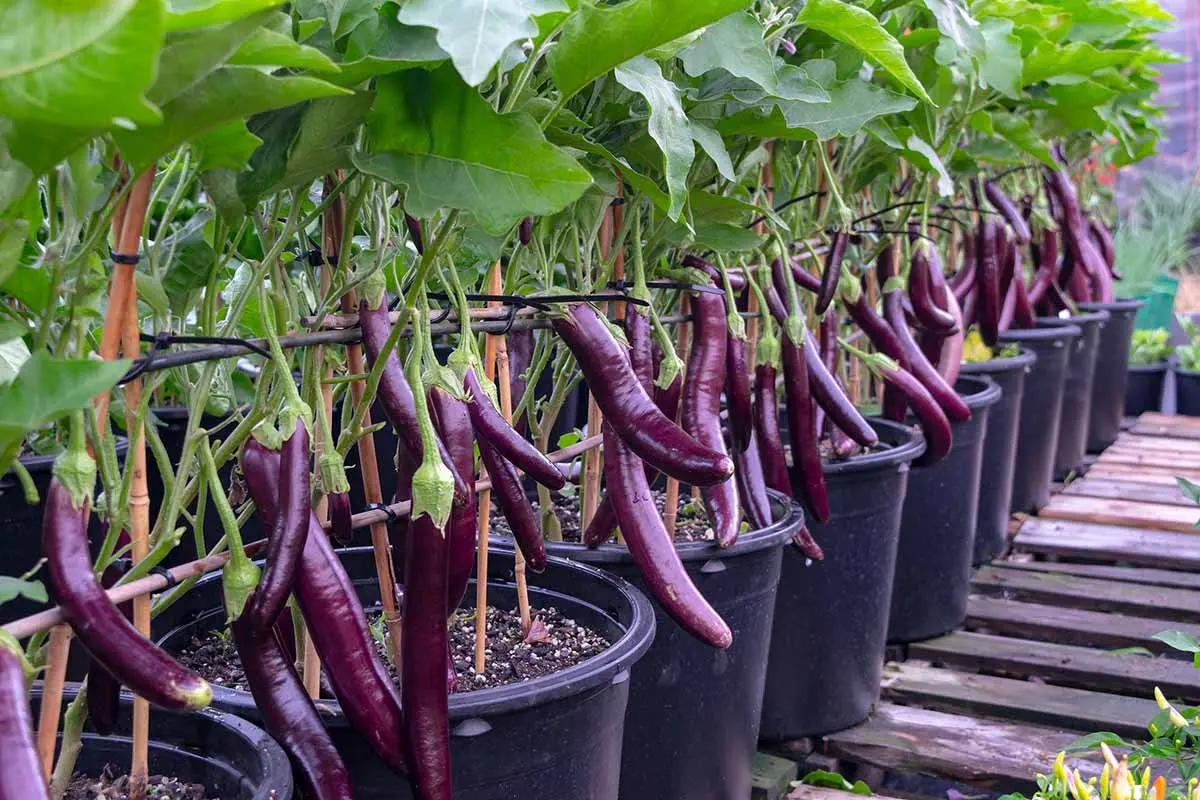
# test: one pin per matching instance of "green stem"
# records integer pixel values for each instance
(27, 485)
(72, 743)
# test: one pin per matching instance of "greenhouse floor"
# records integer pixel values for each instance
(1109, 563)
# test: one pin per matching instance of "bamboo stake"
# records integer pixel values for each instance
(139, 533)
(506, 409)
(591, 462)
(485, 512)
(52, 689)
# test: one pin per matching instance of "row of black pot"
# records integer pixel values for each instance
(1146, 385)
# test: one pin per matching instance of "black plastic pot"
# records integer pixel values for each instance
(1144, 388)
(1187, 392)
(556, 736)
(233, 759)
(999, 451)
(937, 529)
(21, 523)
(1041, 413)
(1112, 364)
(1077, 388)
(830, 626)
(692, 726)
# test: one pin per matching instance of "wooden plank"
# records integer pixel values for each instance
(1118, 490)
(1180, 464)
(1125, 473)
(1139, 575)
(999, 756)
(1156, 444)
(1094, 594)
(1069, 625)
(1130, 513)
(1022, 701)
(1181, 421)
(1157, 424)
(1162, 549)
(1063, 664)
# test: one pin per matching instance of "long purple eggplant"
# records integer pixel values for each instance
(520, 357)
(987, 281)
(737, 391)
(424, 642)
(766, 430)
(701, 409)
(104, 691)
(934, 424)
(752, 486)
(21, 772)
(286, 544)
(395, 395)
(806, 453)
(1075, 232)
(925, 372)
(514, 504)
(832, 274)
(1001, 202)
(922, 290)
(1045, 265)
(500, 435)
(832, 398)
(653, 549)
(288, 713)
(453, 422)
(336, 621)
(629, 409)
(109, 638)
(641, 345)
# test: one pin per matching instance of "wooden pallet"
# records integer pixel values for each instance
(1113, 560)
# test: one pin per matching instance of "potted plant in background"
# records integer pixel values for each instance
(1149, 357)
(1187, 370)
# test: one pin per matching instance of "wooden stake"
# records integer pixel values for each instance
(505, 388)
(139, 533)
(485, 507)
(52, 689)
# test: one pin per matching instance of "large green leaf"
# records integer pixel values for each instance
(79, 64)
(1019, 132)
(188, 14)
(224, 95)
(322, 145)
(190, 55)
(1048, 61)
(596, 39)
(1001, 63)
(711, 143)
(449, 148)
(45, 390)
(384, 46)
(668, 124)
(268, 48)
(227, 147)
(860, 29)
(852, 103)
(188, 257)
(735, 44)
(476, 32)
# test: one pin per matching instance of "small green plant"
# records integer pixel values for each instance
(1189, 354)
(833, 780)
(1149, 347)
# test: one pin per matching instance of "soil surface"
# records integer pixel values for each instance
(113, 785)
(691, 524)
(554, 643)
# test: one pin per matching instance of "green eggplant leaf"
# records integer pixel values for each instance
(477, 32)
(860, 29)
(435, 135)
(596, 39)
(80, 64)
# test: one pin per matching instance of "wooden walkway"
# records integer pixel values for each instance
(1060, 636)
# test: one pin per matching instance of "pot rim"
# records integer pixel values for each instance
(277, 769)
(910, 447)
(597, 671)
(1025, 358)
(1062, 332)
(1158, 366)
(775, 534)
(1121, 304)
(1087, 317)
(44, 463)
(984, 396)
